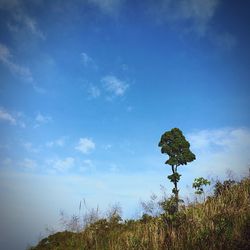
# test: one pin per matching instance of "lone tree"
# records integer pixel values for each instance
(174, 144)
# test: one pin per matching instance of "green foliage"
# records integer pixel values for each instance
(174, 144)
(175, 177)
(199, 184)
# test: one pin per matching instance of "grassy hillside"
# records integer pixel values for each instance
(221, 222)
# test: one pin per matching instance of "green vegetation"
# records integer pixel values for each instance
(199, 184)
(222, 221)
(174, 144)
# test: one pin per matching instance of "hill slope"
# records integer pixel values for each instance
(221, 222)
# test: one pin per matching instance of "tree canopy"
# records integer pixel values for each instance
(174, 144)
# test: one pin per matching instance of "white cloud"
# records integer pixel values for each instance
(114, 86)
(18, 21)
(21, 21)
(23, 72)
(225, 41)
(6, 59)
(221, 149)
(107, 146)
(28, 164)
(5, 116)
(25, 23)
(60, 142)
(30, 148)
(196, 9)
(12, 118)
(204, 139)
(94, 92)
(86, 59)
(62, 165)
(4, 53)
(22, 124)
(42, 119)
(85, 145)
(111, 7)
(31, 26)
(197, 13)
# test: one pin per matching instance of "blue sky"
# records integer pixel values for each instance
(87, 87)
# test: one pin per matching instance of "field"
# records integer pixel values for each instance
(222, 221)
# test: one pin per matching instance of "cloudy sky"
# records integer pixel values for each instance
(87, 87)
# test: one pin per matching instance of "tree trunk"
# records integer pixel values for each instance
(174, 170)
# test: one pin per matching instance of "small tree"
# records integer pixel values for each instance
(199, 184)
(174, 144)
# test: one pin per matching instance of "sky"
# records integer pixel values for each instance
(87, 88)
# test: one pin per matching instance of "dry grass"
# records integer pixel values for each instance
(221, 222)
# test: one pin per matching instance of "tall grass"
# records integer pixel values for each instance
(221, 222)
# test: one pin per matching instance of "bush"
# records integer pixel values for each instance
(222, 187)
